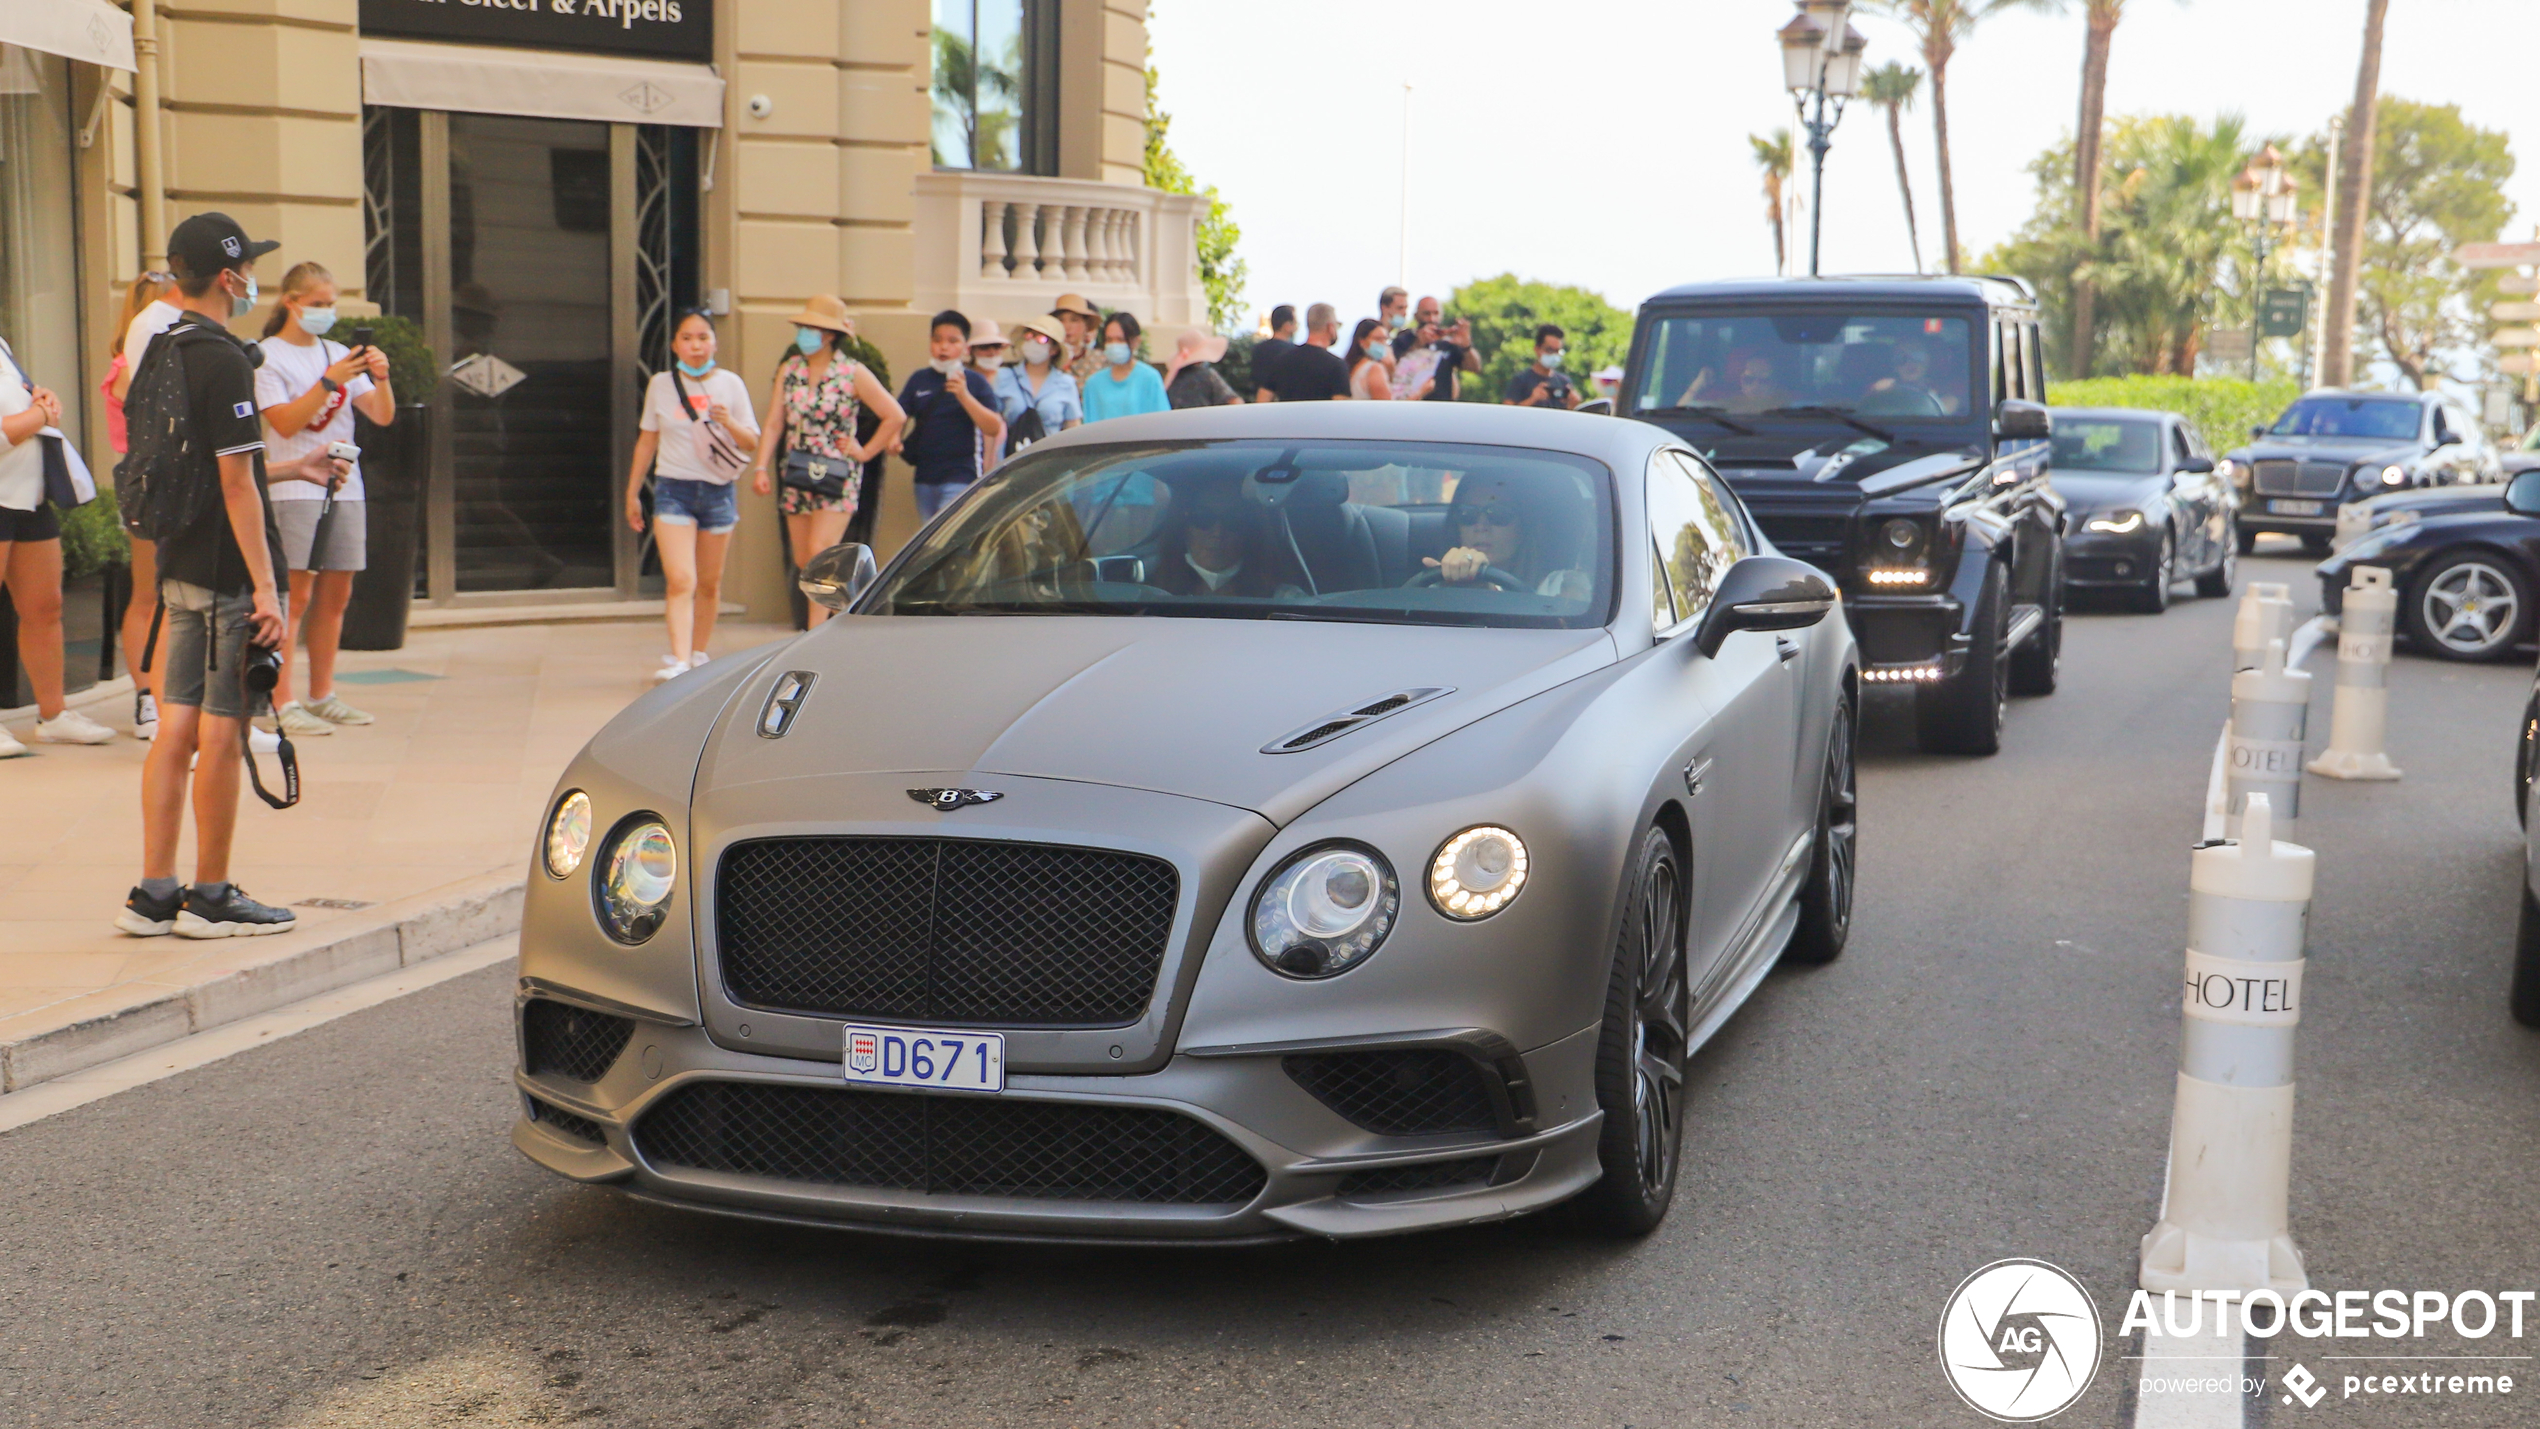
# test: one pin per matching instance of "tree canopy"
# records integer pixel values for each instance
(1504, 311)
(1221, 273)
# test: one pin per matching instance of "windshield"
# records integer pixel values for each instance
(1368, 531)
(2097, 444)
(2381, 417)
(1888, 366)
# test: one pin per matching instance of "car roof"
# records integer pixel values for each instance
(1620, 443)
(1853, 288)
(2365, 394)
(2139, 414)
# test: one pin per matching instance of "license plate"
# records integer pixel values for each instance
(915, 1057)
(2296, 508)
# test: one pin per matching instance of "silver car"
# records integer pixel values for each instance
(1297, 820)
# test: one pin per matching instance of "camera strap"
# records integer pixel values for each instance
(151, 646)
(285, 755)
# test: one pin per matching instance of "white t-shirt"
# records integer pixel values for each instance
(148, 323)
(21, 463)
(679, 456)
(289, 371)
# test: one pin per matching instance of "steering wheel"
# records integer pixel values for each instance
(1488, 575)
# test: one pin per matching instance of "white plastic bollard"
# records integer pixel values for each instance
(2265, 613)
(2270, 714)
(2359, 720)
(2225, 1221)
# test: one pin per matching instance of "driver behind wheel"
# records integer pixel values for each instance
(1501, 536)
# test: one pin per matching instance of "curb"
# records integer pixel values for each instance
(400, 934)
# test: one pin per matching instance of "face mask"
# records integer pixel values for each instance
(316, 321)
(1376, 352)
(989, 361)
(807, 340)
(1037, 354)
(1116, 353)
(696, 369)
(247, 303)
(949, 366)
(1397, 322)
(1550, 360)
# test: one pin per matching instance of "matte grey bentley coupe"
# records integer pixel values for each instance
(1321, 819)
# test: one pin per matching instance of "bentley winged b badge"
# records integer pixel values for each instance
(947, 800)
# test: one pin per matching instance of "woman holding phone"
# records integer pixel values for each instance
(307, 390)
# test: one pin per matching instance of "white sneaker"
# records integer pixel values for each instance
(145, 717)
(297, 721)
(71, 727)
(10, 748)
(698, 660)
(672, 667)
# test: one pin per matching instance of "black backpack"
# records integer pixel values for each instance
(168, 480)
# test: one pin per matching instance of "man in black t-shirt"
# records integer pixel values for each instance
(221, 582)
(1313, 372)
(952, 413)
(1540, 383)
(1269, 354)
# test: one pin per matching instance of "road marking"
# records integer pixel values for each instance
(2177, 1379)
(61, 1094)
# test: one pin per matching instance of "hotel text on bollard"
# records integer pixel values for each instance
(2359, 720)
(2270, 713)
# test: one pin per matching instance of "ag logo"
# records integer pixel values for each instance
(862, 1052)
(2019, 1341)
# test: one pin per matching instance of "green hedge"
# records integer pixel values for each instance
(2223, 408)
(92, 537)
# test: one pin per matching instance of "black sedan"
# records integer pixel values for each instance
(2469, 580)
(2147, 506)
(2333, 447)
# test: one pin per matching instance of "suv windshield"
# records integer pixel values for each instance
(1365, 531)
(2106, 444)
(2394, 419)
(1889, 366)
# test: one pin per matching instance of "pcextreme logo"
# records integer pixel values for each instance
(2019, 1341)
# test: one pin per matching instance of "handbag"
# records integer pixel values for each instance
(822, 476)
(714, 450)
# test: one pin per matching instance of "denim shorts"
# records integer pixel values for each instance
(713, 507)
(201, 627)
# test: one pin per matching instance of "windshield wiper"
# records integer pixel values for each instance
(1840, 415)
(1365, 615)
(1718, 416)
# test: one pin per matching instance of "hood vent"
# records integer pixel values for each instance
(1333, 726)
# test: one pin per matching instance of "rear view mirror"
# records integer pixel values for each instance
(2018, 421)
(1764, 593)
(2522, 494)
(2196, 466)
(836, 576)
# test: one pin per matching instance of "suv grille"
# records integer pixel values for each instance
(1434, 1176)
(559, 1039)
(960, 930)
(580, 1128)
(2303, 478)
(961, 1146)
(1399, 1093)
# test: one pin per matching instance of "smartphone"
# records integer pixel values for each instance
(363, 337)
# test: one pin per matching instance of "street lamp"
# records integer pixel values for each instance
(1821, 61)
(2263, 197)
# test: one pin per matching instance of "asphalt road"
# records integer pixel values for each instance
(335, 1230)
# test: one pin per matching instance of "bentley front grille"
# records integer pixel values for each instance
(957, 930)
(2298, 478)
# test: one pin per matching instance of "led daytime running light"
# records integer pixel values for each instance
(1477, 873)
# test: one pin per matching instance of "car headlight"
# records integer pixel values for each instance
(1901, 536)
(1477, 873)
(635, 883)
(2120, 525)
(2394, 476)
(2227, 469)
(568, 834)
(1324, 911)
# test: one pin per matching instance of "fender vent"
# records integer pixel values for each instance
(1333, 726)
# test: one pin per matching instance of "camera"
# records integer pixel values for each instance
(261, 671)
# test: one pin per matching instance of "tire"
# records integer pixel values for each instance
(2039, 662)
(1964, 715)
(2525, 997)
(2246, 541)
(2314, 545)
(2216, 584)
(1825, 900)
(2153, 596)
(2470, 604)
(2526, 761)
(1640, 1052)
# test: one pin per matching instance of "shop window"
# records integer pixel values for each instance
(996, 85)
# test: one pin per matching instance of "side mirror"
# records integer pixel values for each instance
(836, 576)
(2196, 466)
(2522, 494)
(1601, 407)
(1764, 593)
(2018, 421)
(2257, 434)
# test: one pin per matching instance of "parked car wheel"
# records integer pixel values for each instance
(2525, 998)
(1964, 715)
(1825, 902)
(1640, 1055)
(2469, 605)
(2217, 583)
(2314, 545)
(2153, 596)
(2039, 662)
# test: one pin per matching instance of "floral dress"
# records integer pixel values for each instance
(819, 418)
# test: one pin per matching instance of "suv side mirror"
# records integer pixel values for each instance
(836, 576)
(2196, 466)
(2257, 434)
(1764, 593)
(2522, 494)
(2018, 421)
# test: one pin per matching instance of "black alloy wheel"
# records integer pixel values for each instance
(1641, 1050)
(2525, 997)
(2153, 596)
(1825, 901)
(1964, 715)
(2217, 583)
(2472, 604)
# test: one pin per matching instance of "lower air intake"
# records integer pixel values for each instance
(1407, 1093)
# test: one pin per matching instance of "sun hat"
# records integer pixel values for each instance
(1075, 303)
(986, 333)
(824, 310)
(1211, 346)
(1043, 327)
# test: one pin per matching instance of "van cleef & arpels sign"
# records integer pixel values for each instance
(671, 29)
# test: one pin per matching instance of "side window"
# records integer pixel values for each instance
(1696, 537)
(1728, 516)
(1662, 604)
(2181, 448)
(2036, 362)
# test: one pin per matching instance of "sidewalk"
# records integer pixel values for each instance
(413, 831)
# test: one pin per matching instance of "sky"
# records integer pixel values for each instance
(1604, 142)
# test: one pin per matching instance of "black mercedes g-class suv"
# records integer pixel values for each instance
(1893, 431)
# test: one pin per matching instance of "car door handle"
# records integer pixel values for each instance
(1786, 648)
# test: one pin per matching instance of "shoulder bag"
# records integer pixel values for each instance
(714, 447)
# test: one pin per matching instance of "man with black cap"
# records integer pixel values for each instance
(221, 581)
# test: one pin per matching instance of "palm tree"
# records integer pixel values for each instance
(2169, 229)
(2101, 29)
(1892, 87)
(1775, 156)
(1940, 27)
(2354, 186)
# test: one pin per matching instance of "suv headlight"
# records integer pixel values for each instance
(1323, 911)
(568, 834)
(2118, 523)
(1477, 873)
(2394, 476)
(636, 880)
